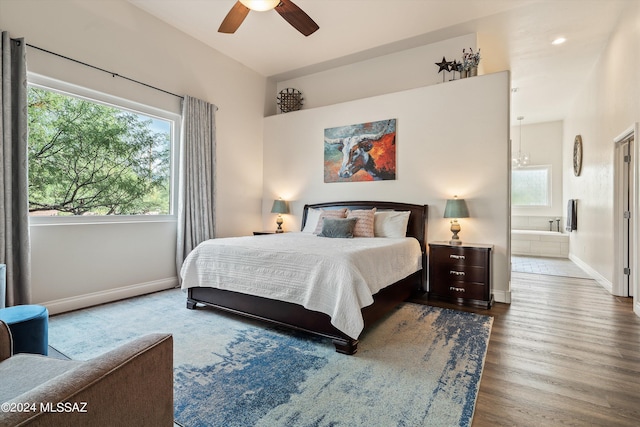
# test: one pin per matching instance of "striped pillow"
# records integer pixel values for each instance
(330, 213)
(364, 225)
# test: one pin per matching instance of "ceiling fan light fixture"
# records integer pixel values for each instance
(558, 41)
(260, 5)
(291, 13)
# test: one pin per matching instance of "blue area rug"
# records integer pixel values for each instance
(419, 366)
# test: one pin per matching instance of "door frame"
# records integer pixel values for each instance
(619, 283)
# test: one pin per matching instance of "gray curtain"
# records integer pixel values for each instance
(14, 198)
(196, 207)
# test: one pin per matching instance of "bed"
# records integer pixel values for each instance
(206, 285)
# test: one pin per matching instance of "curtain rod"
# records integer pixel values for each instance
(104, 71)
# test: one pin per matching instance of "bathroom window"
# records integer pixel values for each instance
(531, 186)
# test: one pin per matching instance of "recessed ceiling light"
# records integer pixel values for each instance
(558, 41)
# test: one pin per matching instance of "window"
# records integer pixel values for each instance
(95, 155)
(531, 186)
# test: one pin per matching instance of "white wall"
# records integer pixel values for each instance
(73, 265)
(390, 73)
(543, 143)
(607, 105)
(80, 265)
(437, 158)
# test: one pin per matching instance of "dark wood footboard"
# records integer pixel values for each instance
(297, 317)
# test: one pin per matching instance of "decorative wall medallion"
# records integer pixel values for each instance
(289, 99)
(577, 155)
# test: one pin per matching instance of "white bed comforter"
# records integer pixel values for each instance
(334, 276)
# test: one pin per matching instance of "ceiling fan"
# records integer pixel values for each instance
(286, 8)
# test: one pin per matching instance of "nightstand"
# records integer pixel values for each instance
(262, 233)
(461, 273)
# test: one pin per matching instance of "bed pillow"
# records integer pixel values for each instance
(391, 223)
(313, 215)
(338, 227)
(330, 213)
(364, 225)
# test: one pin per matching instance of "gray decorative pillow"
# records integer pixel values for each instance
(338, 227)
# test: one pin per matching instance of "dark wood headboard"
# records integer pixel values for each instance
(417, 226)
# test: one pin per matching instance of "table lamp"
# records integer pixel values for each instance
(280, 207)
(455, 208)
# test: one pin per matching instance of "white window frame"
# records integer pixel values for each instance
(65, 88)
(549, 171)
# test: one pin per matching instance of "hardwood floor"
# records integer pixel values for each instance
(564, 352)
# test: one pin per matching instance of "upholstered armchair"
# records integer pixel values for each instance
(131, 385)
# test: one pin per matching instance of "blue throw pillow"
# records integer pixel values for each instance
(338, 227)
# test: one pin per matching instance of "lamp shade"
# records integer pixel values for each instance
(456, 208)
(280, 207)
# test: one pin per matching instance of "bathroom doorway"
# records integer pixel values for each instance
(538, 217)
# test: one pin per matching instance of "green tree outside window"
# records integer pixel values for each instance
(87, 158)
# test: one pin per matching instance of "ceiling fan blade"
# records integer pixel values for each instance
(296, 17)
(234, 18)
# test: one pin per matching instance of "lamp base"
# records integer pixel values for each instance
(455, 229)
(279, 221)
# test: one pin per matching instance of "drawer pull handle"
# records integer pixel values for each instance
(452, 288)
(457, 273)
(452, 256)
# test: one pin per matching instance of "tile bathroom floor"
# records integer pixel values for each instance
(547, 266)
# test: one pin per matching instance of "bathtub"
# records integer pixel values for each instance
(540, 243)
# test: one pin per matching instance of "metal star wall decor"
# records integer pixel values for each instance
(455, 67)
(444, 66)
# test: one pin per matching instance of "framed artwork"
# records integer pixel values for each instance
(362, 152)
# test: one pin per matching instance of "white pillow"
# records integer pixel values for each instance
(313, 215)
(391, 223)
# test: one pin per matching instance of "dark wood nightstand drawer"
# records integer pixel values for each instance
(465, 290)
(461, 273)
(458, 256)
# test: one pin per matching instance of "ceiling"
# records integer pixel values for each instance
(513, 35)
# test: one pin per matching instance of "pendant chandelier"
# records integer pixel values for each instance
(521, 158)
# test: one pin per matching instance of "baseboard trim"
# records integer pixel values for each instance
(502, 296)
(95, 298)
(594, 274)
